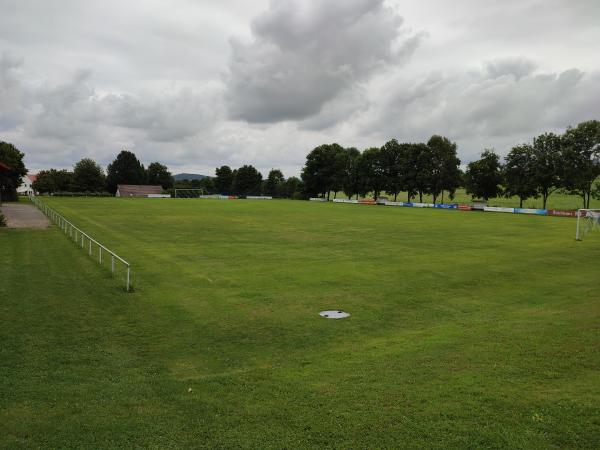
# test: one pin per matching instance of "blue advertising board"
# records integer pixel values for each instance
(541, 212)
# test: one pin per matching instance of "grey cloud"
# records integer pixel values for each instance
(75, 110)
(73, 118)
(13, 98)
(518, 67)
(490, 107)
(306, 53)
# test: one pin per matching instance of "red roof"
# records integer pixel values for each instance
(32, 178)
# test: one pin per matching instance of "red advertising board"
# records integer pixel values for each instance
(464, 207)
(562, 213)
(367, 202)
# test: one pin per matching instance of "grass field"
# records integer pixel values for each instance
(468, 330)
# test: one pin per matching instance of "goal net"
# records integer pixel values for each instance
(189, 193)
(587, 220)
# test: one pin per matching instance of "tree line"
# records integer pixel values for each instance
(416, 168)
(246, 180)
(569, 162)
(88, 176)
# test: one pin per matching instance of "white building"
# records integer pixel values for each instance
(25, 188)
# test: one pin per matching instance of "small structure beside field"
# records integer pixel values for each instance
(26, 187)
(138, 190)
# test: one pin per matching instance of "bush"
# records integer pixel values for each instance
(81, 194)
(2, 220)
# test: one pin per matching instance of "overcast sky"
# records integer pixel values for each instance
(200, 83)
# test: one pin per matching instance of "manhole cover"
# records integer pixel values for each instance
(334, 314)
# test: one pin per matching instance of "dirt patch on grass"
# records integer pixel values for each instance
(24, 216)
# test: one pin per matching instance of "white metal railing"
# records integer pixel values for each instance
(80, 238)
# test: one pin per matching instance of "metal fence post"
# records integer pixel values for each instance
(75, 233)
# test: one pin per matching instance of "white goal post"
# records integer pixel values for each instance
(189, 193)
(587, 220)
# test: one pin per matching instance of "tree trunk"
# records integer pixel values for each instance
(328, 192)
(520, 202)
(442, 196)
(420, 196)
(395, 196)
(545, 197)
(589, 193)
(434, 198)
(334, 195)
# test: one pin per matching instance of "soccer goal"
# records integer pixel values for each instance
(587, 220)
(189, 193)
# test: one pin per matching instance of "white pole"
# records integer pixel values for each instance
(577, 232)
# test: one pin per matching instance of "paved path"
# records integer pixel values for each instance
(24, 216)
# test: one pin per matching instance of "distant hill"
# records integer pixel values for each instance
(189, 176)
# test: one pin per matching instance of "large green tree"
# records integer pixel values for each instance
(274, 183)
(371, 174)
(52, 180)
(409, 170)
(208, 185)
(247, 181)
(11, 179)
(322, 171)
(125, 169)
(581, 159)
(350, 174)
(293, 188)
(421, 167)
(391, 158)
(159, 174)
(546, 165)
(224, 180)
(444, 170)
(483, 178)
(518, 173)
(88, 176)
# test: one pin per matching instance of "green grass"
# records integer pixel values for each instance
(468, 330)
